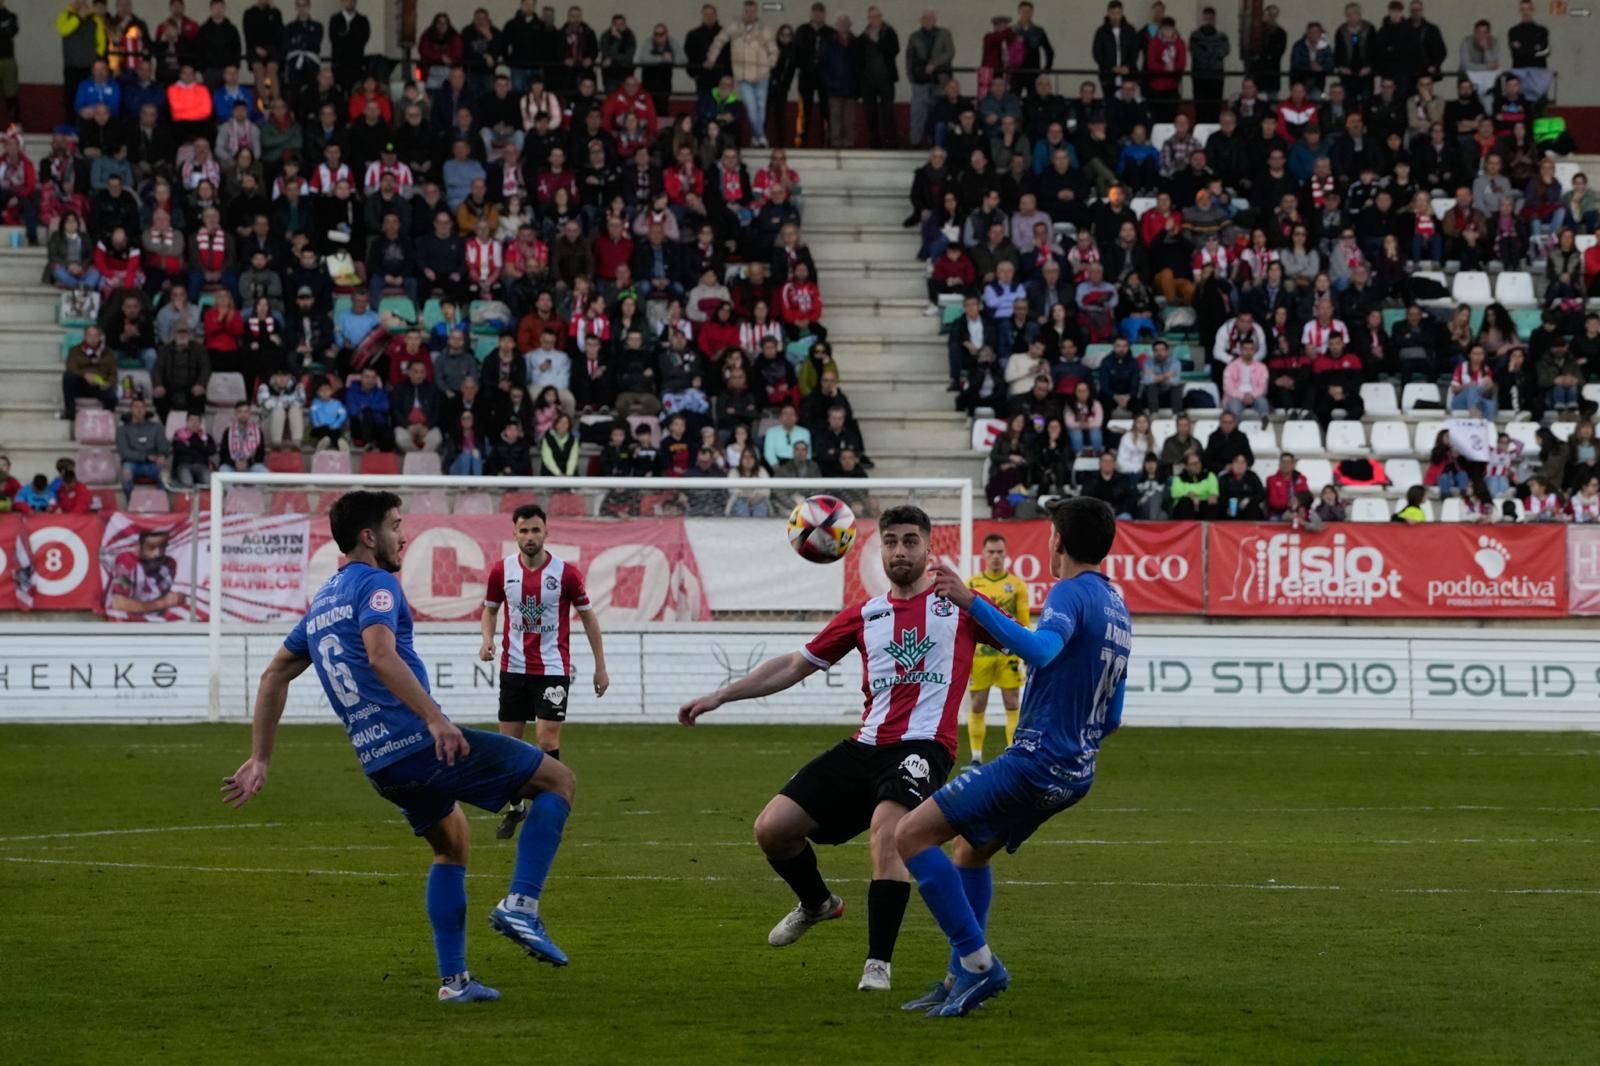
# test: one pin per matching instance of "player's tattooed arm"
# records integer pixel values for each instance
(271, 696)
(774, 675)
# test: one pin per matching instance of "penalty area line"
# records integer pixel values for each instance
(1248, 886)
(216, 827)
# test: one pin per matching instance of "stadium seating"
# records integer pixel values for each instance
(1526, 434)
(1379, 399)
(1303, 438)
(225, 388)
(1471, 287)
(1403, 473)
(330, 462)
(1369, 509)
(1434, 275)
(148, 499)
(285, 461)
(431, 501)
(1427, 507)
(475, 503)
(1346, 439)
(420, 464)
(245, 499)
(1514, 290)
(1425, 435)
(1318, 472)
(94, 426)
(567, 505)
(1263, 441)
(376, 463)
(1420, 392)
(97, 466)
(1452, 509)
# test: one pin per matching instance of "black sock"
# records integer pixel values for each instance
(800, 873)
(886, 909)
(554, 753)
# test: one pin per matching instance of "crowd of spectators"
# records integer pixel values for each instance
(1099, 260)
(520, 262)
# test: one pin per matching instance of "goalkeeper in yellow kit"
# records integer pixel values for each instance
(991, 666)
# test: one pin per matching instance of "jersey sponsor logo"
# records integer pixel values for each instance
(529, 613)
(915, 767)
(909, 650)
(382, 601)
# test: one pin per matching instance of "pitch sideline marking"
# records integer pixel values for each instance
(1268, 886)
(216, 827)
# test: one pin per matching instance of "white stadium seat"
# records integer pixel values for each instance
(1204, 130)
(1207, 387)
(1203, 428)
(1264, 468)
(1418, 391)
(1514, 289)
(1346, 438)
(1527, 433)
(1119, 425)
(1452, 510)
(1442, 205)
(1318, 472)
(1591, 393)
(1142, 204)
(1586, 241)
(1425, 434)
(1160, 133)
(1379, 399)
(1472, 287)
(1302, 437)
(1369, 509)
(1566, 170)
(984, 432)
(1403, 473)
(1160, 430)
(1263, 441)
(1391, 439)
(1563, 430)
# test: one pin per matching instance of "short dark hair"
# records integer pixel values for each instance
(356, 511)
(1087, 528)
(906, 515)
(529, 510)
(992, 538)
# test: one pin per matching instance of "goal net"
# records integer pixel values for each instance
(675, 554)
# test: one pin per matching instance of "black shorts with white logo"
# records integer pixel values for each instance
(841, 787)
(525, 697)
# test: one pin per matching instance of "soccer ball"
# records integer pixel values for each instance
(822, 528)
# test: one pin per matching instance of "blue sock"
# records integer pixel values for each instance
(941, 889)
(978, 882)
(536, 847)
(447, 910)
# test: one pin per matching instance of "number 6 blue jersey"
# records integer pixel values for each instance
(1073, 701)
(382, 729)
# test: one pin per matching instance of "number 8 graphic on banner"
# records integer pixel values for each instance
(337, 674)
(61, 560)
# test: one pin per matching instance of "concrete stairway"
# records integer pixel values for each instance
(891, 357)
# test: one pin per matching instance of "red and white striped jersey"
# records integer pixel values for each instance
(536, 627)
(324, 178)
(485, 259)
(916, 659)
(375, 172)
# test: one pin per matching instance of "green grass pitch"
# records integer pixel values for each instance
(1221, 897)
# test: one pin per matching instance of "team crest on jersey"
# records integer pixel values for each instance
(382, 600)
(943, 608)
(550, 583)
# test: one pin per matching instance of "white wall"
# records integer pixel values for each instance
(1575, 41)
(1181, 675)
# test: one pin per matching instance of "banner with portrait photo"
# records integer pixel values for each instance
(157, 568)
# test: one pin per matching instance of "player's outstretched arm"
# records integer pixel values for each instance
(1036, 648)
(449, 743)
(774, 675)
(271, 695)
(597, 647)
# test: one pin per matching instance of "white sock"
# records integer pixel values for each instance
(524, 904)
(980, 961)
(457, 982)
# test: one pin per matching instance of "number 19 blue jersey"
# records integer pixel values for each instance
(382, 729)
(1072, 702)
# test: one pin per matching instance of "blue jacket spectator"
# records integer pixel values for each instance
(351, 327)
(91, 92)
(223, 99)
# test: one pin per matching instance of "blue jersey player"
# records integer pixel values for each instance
(1077, 661)
(357, 634)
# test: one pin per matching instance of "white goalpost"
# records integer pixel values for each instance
(725, 570)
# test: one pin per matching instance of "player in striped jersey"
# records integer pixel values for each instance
(916, 651)
(535, 640)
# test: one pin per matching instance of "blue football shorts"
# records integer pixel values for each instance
(1003, 801)
(426, 788)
